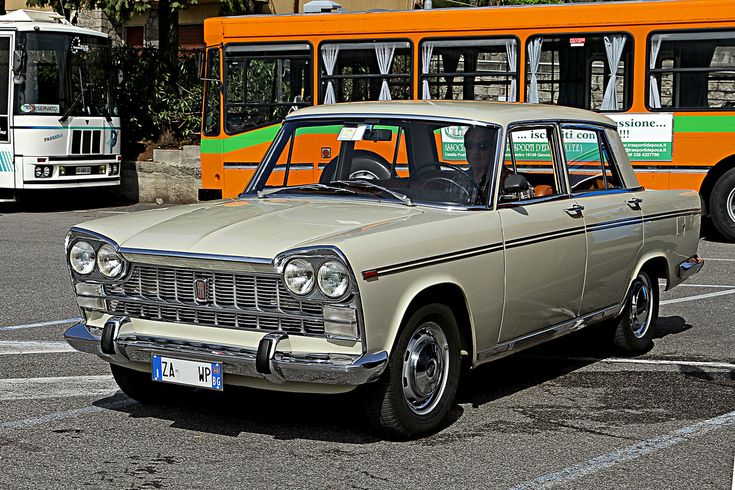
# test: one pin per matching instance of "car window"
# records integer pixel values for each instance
(588, 161)
(529, 153)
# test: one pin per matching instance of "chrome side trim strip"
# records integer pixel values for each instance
(529, 340)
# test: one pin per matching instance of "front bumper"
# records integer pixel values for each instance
(266, 362)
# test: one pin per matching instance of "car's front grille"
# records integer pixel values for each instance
(234, 300)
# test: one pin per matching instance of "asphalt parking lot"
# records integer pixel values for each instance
(569, 414)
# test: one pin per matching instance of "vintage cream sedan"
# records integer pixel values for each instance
(381, 246)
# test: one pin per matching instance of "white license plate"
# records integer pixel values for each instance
(189, 373)
(84, 170)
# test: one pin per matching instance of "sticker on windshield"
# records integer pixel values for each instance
(352, 133)
(40, 108)
(76, 45)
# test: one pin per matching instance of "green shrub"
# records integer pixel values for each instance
(159, 98)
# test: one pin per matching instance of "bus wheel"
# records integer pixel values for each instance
(722, 205)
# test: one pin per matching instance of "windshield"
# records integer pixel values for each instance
(409, 161)
(62, 71)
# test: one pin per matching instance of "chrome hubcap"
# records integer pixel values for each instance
(425, 368)
(640, 307)
(730, 203)
(363, 174)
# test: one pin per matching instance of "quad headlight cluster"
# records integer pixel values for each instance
(84, 259)
(331, 277)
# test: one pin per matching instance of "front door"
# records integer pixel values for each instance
(543, 235)
(7, 165)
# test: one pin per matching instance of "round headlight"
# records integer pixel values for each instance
(109, 262)
(81, 257)
(299, 276)
(333, 279)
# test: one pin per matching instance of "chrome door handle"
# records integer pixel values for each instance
(575, 210)
(635, 202)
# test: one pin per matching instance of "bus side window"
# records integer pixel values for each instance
(579, 70)
(470, 69)
(358, 71)
(692, 70)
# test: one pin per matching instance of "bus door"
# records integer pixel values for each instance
(7, 166)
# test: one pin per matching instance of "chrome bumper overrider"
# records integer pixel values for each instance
(690, 266)
(265, 362)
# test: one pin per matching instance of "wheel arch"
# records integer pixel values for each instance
(711, 179)
(451, 295)
(657, 264)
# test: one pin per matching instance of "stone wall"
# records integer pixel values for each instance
(173, 177)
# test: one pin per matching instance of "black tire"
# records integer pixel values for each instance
(365, 165)
(635, 326)
(722, 205)
(140, 387)
(423, 366)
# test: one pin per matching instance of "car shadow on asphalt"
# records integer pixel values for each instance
(340, 418)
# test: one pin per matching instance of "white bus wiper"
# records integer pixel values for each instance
(366, 184)
(307, 187)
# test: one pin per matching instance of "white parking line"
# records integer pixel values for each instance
(724, 286)
(629, 453)
(17, 347)
(705, 365)
(723, 260)
(51, 417)
(699, 296)
(57, 387)
(41, 324)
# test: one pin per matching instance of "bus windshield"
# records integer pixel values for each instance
(64, 72)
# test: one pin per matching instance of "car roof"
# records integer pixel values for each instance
(501, 113)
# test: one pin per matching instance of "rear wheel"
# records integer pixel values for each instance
(634, 327)
(722, 205)
(417, 391)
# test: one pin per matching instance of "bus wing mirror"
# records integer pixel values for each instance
(19, 68)
(201, 64)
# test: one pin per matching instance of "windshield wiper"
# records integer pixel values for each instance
(306, 187)
(366, 184)
(71, 108)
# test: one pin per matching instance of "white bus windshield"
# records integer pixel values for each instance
(64, 72)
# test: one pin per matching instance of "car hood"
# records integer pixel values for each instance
(258, 228)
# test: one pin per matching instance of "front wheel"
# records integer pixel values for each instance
(635, 326)
(417, 391)
(722, 205)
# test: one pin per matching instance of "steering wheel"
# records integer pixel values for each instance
(587, 180)
(468, 186)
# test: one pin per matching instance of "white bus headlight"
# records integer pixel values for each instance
(82, 257)
(109, 262)
(333, 279)
(299, 277)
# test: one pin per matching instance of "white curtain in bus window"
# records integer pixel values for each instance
(426, 50)
(534, 59)
(469, 69)
(329, 55)
(614, 50)
(4, 75)
(361, 70)
(384, 53)
(588, 71)
(692, 70)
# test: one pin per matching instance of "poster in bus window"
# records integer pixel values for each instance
(646, 137)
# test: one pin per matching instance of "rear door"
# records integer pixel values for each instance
(7, 166)
(543, 235)
(612, 215)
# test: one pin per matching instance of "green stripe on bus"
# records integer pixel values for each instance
(704, 124)
(256, 137)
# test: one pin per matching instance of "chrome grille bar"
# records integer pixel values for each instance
(236, 300)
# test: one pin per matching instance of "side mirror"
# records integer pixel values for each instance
(19, 67)
(201, 65)
(515, 184)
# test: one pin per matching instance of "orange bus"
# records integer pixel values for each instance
(664, 70)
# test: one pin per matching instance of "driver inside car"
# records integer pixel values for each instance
(479, 150)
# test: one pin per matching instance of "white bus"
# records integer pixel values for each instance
(58, 120)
